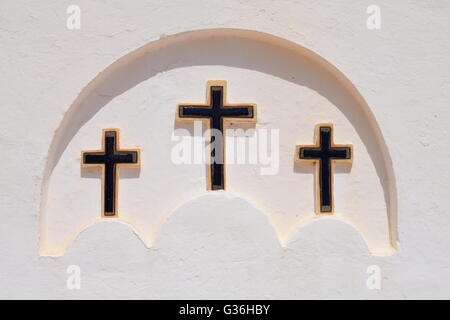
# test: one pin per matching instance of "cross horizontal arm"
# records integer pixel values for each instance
(343, 153)
(126, 156)
(237, 111)
(93, 157)
(310, 153)
(190, 111)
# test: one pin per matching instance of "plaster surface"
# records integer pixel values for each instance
(244, 248)
(142, 102)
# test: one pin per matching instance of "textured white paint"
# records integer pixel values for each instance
(230, 249)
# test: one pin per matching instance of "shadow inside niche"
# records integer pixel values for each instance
(226, 50)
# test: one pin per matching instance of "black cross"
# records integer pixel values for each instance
(217, 110)
(326, 153)
(109, 158)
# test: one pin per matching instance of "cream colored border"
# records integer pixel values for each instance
(318, 207)
(118, 165)
(225, 122)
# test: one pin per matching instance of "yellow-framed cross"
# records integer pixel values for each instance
(324, 154)
(217, 112)
(110, 158)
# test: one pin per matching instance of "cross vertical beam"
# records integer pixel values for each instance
(110, 158)
(324, 154)
(216, 112)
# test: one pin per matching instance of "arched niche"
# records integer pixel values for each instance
(294, 89)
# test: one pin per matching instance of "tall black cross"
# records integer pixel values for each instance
(216, 110)
(325, 152)
(110, 158)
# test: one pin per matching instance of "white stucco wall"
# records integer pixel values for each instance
(240, 243)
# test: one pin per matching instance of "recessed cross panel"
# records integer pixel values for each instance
(217, 111)
(110, 158)
(324, 154)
